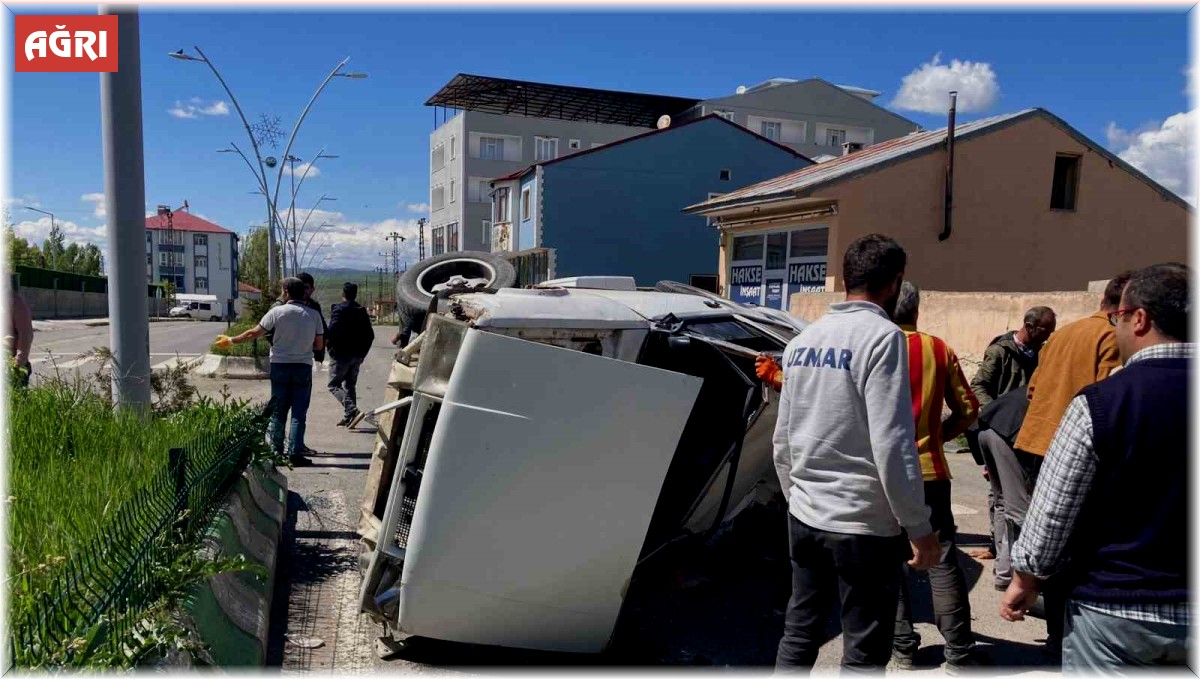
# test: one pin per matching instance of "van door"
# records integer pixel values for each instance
(537, 472)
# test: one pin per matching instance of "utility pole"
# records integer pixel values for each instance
(125, 201)
(396, 239)
(421, 239)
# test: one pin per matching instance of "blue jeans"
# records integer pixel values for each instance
(291, 389)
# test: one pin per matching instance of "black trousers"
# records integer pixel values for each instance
(948, 583)
(860, 570)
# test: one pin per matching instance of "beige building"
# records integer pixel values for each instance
(1036, 206)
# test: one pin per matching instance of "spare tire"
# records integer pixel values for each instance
(417, 285)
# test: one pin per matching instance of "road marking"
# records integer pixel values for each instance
(75, 363)
(959, 510)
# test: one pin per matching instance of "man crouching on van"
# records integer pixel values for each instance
(848, 466)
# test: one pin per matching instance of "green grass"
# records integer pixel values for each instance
(74, 461)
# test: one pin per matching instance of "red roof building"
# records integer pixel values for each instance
(184, 221)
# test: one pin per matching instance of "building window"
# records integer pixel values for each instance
(525, 203)
(452, 189)
(487, 232)
(201, 262)
(170, 259)
(200, 239)
(149, 259)
(438, 234)
(545, 148)
(501, 205)
(452, 237)
(772, 130)
(747, 248)
(809, 243)
(478, 190)
(437, 158)
(1066, 182)
(835, 137)
(721, 113)
(777, 250)
(453, 145)
(201, 285)
(726, 175)
(170, 237)
(491, 148)
(437, 198)
(574, 144)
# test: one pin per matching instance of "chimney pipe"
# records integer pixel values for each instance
(949, 168)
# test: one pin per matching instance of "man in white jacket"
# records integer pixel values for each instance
(847, 460)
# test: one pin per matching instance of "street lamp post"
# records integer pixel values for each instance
(271, 200)
(45, 213)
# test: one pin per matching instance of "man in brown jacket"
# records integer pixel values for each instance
(1081, 353)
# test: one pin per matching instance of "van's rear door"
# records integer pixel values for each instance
(543, 472)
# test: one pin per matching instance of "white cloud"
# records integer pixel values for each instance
(927, 88)
(354, 244)
(97, 201)
(1162, 151)
(301, 168)
(197, 107)
(36, 231)
(419, 208)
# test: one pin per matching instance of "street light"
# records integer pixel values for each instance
(272, 200)
(45, 213)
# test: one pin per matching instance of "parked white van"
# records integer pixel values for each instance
(197, 307)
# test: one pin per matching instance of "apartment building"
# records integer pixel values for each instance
(489, 127)
(194, 254)
(814, 117)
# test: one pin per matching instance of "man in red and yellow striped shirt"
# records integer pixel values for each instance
(936, 378)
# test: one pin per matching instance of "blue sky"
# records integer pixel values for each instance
(1120, 78)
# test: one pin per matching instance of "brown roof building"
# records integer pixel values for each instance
(1036, 206)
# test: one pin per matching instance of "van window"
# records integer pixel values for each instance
(205, 307)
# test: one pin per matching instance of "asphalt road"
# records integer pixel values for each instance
(58, 346)
(714, 603)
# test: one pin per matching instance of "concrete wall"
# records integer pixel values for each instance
(616, 211)
(968, 321)
(1005, 236)
(814, 103)
(46, 303)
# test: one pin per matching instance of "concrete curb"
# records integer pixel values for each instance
(232, 367)
(230, 612)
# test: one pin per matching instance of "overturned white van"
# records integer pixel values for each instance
(550, 440)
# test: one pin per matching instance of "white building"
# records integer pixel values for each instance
(197, 256)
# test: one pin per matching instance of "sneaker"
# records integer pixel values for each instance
(308, 451)
(900, 661)
(971, 663)
(299, 461)
(346, 420)
(358, 417)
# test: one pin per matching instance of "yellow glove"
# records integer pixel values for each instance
(223, 342)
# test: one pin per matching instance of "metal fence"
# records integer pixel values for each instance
(95, 598)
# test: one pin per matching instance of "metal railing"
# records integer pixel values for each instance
(95, 598)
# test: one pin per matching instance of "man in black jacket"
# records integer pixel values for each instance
(348, 339)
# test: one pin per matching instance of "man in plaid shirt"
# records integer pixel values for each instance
(1109, 513)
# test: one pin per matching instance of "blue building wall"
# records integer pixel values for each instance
(618, 211)
(526, 229)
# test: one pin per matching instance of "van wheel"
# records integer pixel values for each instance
(215, 319)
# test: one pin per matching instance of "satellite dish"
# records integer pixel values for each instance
(664, 122)
(741, 89)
